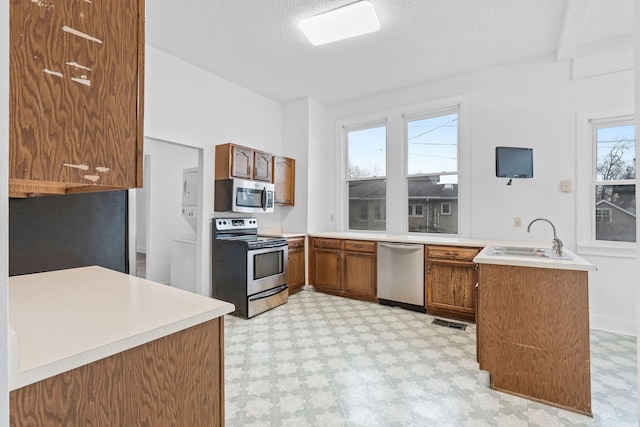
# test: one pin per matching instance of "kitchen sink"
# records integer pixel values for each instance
(525, 252)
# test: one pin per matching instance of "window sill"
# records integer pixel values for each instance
(608, 251)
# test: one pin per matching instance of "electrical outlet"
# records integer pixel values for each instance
(517, 221)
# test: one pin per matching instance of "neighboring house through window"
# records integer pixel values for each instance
(614, 172)
(432, 171)
(366, 172)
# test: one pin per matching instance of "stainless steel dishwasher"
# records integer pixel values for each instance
(401, 275)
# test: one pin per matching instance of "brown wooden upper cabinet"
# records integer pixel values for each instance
(76, 96)
(284, 178)
(235, 161)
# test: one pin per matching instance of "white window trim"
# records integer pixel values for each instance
(585, 194)
(442, 212)
(397, 207)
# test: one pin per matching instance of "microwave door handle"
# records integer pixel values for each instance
(263, 199)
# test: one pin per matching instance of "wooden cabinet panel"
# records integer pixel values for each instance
(452, 253)
(360, 273)
(350, 273)
(76, 96)
(327, 243)
(262, 166)
(450, 282)
(236, 161)
(284, 176)
(327, 269)
(359, 246)
(533, 333)
(241, 162)
(174, 380)
(296, 264)
(452, 286)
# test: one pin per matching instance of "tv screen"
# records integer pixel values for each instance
(514, 162)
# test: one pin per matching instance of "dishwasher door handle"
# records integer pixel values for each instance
(400, 246)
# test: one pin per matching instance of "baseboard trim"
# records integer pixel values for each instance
(613, 325)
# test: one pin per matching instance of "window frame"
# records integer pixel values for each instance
(586, 173)
(346, 180)
(427, 114)
(396, 201)
(442, 205)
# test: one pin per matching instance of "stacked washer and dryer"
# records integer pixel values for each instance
(183, 250)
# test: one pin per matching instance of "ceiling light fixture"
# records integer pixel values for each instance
(345, 22)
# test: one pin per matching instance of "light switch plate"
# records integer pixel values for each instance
(565, 186)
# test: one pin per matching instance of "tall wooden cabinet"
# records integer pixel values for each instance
(76, 96)
(450, 282)
(344, 267)
(284, 178)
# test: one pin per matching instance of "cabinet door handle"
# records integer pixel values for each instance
(429, 269)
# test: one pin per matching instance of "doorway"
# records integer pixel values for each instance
(156, 223)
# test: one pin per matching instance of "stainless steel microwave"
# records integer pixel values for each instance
(241, 195)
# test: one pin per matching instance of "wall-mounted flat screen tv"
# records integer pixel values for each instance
(514, 162)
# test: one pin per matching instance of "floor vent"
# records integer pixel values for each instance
(454, 325)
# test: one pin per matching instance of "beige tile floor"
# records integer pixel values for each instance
(321, 360)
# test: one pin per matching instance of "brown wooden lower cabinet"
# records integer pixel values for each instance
(296, 264)
(174, 380)
(450, 282)
(533, 333)
(344, 267)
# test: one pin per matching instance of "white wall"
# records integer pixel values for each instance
(533, 104)
(321, 170)
(295, 144)
(4, 208)
(166, 163)
(187, 105)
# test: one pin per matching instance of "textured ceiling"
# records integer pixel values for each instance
(257, 44)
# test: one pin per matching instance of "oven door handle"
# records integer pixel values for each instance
(268, 293)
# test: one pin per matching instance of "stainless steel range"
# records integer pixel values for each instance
(248, 271)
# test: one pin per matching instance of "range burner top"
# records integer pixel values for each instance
(244, 231)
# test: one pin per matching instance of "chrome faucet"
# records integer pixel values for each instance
(557, 243)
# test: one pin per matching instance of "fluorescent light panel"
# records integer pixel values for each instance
(349, 21)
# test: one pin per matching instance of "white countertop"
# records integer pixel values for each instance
(277, 232)
(68, 318)
(576, 263)
(426, 240)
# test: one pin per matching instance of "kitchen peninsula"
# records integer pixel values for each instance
(533, 326)
(97, 347)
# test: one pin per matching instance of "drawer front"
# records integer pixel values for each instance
(296, 243)
(359, 246)
(326, 243)
(451, 252)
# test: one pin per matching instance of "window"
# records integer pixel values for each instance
(366, 177)
(614, 172)
(603, 215)
(416, 210)
(432, 171)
